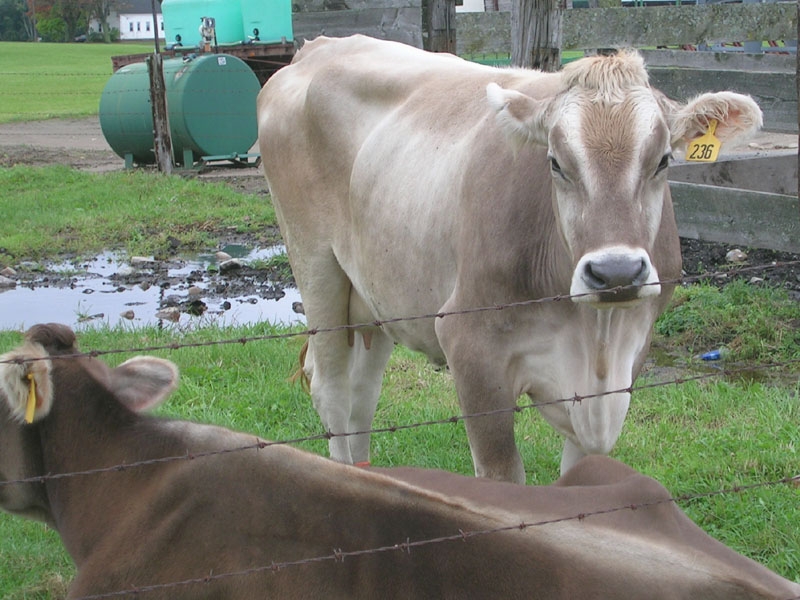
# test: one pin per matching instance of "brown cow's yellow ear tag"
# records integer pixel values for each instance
(30, 407)
(706, 147)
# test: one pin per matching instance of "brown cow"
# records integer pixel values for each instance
(408, 183)
(214, 526)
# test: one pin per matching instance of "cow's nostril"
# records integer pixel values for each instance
(614, 271)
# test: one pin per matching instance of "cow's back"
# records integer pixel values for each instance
(347, 147)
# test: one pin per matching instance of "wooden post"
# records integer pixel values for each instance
(536, 34)
(439, 17)
(162, 141)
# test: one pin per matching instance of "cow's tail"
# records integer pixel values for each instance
(300, 374)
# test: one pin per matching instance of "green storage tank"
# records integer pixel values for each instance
(267, 21)
(182, 19)
(211, 103)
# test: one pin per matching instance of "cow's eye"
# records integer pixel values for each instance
(555, 167)
(663, 164)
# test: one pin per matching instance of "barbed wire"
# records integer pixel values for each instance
(406, 546)
(260, 444)
(685, 280)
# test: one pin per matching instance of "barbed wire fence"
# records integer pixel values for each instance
(339, 555)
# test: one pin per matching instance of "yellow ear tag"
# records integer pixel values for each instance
(30, 408)
(706, 147)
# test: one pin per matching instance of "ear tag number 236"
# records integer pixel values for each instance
(706, 147)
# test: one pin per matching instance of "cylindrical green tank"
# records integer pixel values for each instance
(267, 21)
(182, 20)
(211, 103)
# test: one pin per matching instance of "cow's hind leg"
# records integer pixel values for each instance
(345, 366)
(371, 352)
(325, 290)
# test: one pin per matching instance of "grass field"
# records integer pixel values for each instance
(42, 81)
(693, 437)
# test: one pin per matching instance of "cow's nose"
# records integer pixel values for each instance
(613, 271)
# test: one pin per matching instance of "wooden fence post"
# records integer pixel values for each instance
(439, 18)
(162, 140)
(536, 34)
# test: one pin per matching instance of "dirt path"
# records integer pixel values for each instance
(79, 143)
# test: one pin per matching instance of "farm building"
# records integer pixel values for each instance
(134, 19)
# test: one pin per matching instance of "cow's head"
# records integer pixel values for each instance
(609, 138)
(35, 384)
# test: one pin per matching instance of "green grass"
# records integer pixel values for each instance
(694, 438)
(753, 323)
(41, 81)
(45, 208)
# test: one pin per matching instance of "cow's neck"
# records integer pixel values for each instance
(89, 436)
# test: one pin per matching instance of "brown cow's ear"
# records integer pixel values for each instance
(144, 382)
(737, 116)
(25, 382)
(523, 119)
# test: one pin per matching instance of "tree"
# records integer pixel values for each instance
(100, 10)
(15, 26)
(536, 34)
(73, 12)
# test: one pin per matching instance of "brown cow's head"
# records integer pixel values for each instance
(609, 138)
(34, 381)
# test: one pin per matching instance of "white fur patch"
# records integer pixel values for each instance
(521, 117)
(16, 386)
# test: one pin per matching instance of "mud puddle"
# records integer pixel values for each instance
(114, 290)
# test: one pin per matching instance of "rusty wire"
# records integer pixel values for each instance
(388, 321)
(262, 444)
(259, 444)
(339, 555)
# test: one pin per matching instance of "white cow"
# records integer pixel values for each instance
(409, 183)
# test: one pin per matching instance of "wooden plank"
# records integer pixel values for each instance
(300, 6)
(726, 61)
(678, 25)
(639, 27)
(734, 216)
(774, 174)
(488, 32)
(398, 24)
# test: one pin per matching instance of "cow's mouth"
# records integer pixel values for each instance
(616, 296)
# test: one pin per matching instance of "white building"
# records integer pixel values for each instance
(471, 6)
(134, 19)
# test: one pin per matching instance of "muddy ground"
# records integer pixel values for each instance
(79, 143)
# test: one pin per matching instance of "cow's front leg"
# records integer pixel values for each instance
(491, 440)
(491, 436)
(571, 455)
(476, 357)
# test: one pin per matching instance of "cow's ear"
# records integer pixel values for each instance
(521, 117)
(25, 382)
(737, 116)
(144, 382)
